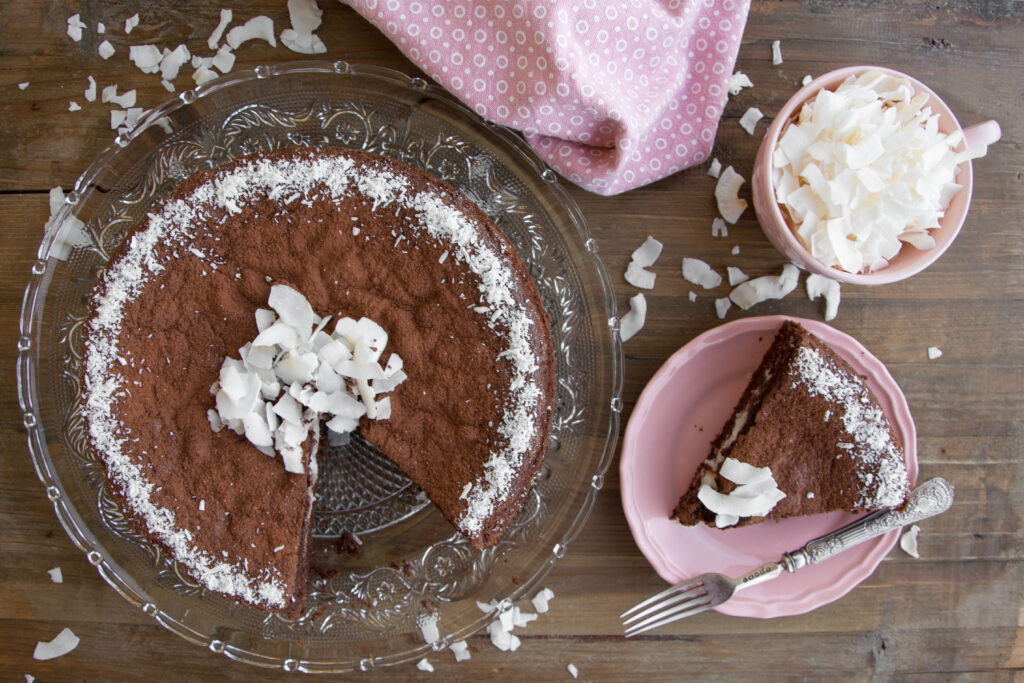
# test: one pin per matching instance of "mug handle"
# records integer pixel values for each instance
(982, 134)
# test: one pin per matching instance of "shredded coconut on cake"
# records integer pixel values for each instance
(311, 176)
(884, 470)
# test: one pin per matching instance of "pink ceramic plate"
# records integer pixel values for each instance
(679, 413)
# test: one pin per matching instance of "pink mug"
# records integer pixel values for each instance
(909, 260)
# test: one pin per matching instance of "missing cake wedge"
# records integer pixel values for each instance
(806, 437)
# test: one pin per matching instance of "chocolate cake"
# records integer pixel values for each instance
(806, 437)
(359, 235)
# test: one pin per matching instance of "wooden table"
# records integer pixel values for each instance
(956, 611)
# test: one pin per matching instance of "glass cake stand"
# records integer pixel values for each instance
(364, 610)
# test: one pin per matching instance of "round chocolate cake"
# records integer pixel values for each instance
(359, 235)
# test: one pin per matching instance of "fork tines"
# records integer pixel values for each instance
(667, 606)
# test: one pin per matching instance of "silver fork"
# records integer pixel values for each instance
(711, 590)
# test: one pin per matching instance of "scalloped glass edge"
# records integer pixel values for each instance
(26, 379)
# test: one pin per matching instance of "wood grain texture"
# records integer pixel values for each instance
(956, 613)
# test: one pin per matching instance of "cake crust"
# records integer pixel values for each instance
(234, 518)
(807, 416)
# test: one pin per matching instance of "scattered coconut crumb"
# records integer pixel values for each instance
(29, 678)
(56, 575)
(810, 495)
(736, 276)
(101, 27)
(204, 75)
(502, 638)
(424, 665)
(776, 53)
(934, 352)
(715, 169)
(632, 322)
(105, 49)
(146, 57)
(225, 20)
(722, 306)
(23, 85)
(719, 228)
(736, 250)
(692, 296)
(75, 26)
(643, 256)
(167, 85)
(261, 27)
(738, 81)
(727, 195)
(700, 273)
(461, 650)
(305, 17)
(74, 106)
(540, 600)
(202, 505)
(90, 91)
(131, 22)
(818, 285)
(573, 671)
(428, 628)
(172, 61)
(748, 121)
(65, 642)
(807, 79)
(224, 60)
(908, 541)
(752, 292)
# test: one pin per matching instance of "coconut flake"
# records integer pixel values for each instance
(755, 495)
(776, 53)
(647, 253)
(146, 57)
(204, 75)
(90, 91)
(722, 305)
(934, 352)
(715, 169)
(428, 628)
(692, 296)
(23, 85)
(424, 665)
(573, 671)
(540, 600)
(75, 26)
(736, 276)
(56, 575)
(639, 276)
(750, 118)
(807, 79)
(305, 17)
(225, 19)
(172, 62)
(224, 60)
(461, 650)
(737, 82)
(65, 642)
(727, 195)
(752, 292)
(719, 228)
(908, 541)
(735, 250)
(818, 285)
(105, 49)
(260, 27)
(502, 639)
(633, 321)
(700, 273)
(131, 22)
(74, 106)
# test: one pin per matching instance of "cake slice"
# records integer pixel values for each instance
(806, 437)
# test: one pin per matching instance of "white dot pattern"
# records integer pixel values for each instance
(613, 94)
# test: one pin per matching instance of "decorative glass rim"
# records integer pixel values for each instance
(27, 373)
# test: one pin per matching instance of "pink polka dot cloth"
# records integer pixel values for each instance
(613, 94)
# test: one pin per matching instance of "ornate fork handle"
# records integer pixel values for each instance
(929, 499)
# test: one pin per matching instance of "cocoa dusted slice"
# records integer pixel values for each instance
(806, 437)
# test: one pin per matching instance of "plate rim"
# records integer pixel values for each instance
(743, 605)
(27, 373)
